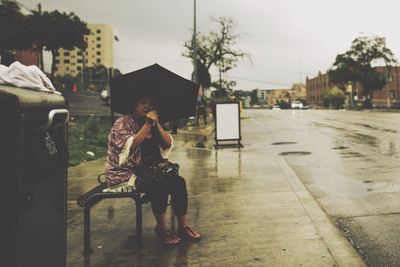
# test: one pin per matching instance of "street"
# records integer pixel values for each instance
(352, 171)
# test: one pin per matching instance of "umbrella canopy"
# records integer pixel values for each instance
(174, 95)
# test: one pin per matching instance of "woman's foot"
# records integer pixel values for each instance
(166, 237)
(188, 233)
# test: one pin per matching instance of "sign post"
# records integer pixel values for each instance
(227, 125)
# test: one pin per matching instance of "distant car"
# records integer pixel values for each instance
(105, 96)
(297, 104)
(276, 107)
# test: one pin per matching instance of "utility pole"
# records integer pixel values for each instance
(196, 78)
(195, 75)
(41, 62)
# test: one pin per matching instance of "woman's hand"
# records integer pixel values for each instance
(153, 115)
(152, 118)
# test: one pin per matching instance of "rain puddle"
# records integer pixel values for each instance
(345, 186)
(283, 143)
(382, 187)
(340, 147)
(363, 139)
(295, 153)
(375, 128)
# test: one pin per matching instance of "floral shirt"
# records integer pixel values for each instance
(123, 159)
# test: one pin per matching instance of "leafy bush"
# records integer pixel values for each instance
(334, 98)
(91, 136)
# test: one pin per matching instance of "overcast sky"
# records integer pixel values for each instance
(287, 39)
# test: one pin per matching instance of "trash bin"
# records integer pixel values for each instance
(33, 176)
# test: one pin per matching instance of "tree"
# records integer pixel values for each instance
(12, 25)
(54, 30)
(334, 98)
(97, 76)
(215, 49)
(358, 65)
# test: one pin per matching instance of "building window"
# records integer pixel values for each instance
(66, 61)
(79, 68)
(57, 61)
(66, 54)
(98, 31)
(98, 53)
(79, 61)
(98, 60)
(98, 45)
(98, 39)
(79, 53)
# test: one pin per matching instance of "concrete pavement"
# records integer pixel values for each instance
(249, 206)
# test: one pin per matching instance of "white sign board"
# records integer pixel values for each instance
(227, 121)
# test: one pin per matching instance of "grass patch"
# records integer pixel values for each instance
(91, 136)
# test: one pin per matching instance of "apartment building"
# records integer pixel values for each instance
(299, 92)
(261, 95)
(99, 51)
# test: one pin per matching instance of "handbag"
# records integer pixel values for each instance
(154, 170)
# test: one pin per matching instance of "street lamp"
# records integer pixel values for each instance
(350, 89)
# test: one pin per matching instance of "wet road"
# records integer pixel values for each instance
(87, 103)
(352, 171)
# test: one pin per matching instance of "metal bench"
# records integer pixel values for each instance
(95, 195)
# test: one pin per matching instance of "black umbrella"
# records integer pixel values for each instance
(175, 96)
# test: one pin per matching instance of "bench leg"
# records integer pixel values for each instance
(86, 231)
(138, 222)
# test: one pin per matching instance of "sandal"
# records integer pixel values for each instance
(188, 233)
(166, 237)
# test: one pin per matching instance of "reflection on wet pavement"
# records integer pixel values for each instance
(232, 193)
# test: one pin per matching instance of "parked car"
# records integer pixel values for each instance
(297, 105)
(276, 107)
(105, 96)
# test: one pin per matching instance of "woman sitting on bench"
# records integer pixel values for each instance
(134, 138)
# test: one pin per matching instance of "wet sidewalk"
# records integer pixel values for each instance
(250, 208)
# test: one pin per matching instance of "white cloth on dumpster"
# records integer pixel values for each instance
(26, 77)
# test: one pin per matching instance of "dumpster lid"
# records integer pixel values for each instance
(28, 99)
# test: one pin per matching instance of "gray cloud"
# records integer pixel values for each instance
(288, 39)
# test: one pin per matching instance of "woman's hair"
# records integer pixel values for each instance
(136, 100)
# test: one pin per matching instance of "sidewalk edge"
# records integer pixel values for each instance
(340, 248)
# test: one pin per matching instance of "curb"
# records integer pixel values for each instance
(335, 241)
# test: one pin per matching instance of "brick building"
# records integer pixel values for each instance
(318, 86)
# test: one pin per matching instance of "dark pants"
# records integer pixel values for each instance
(173, 185)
